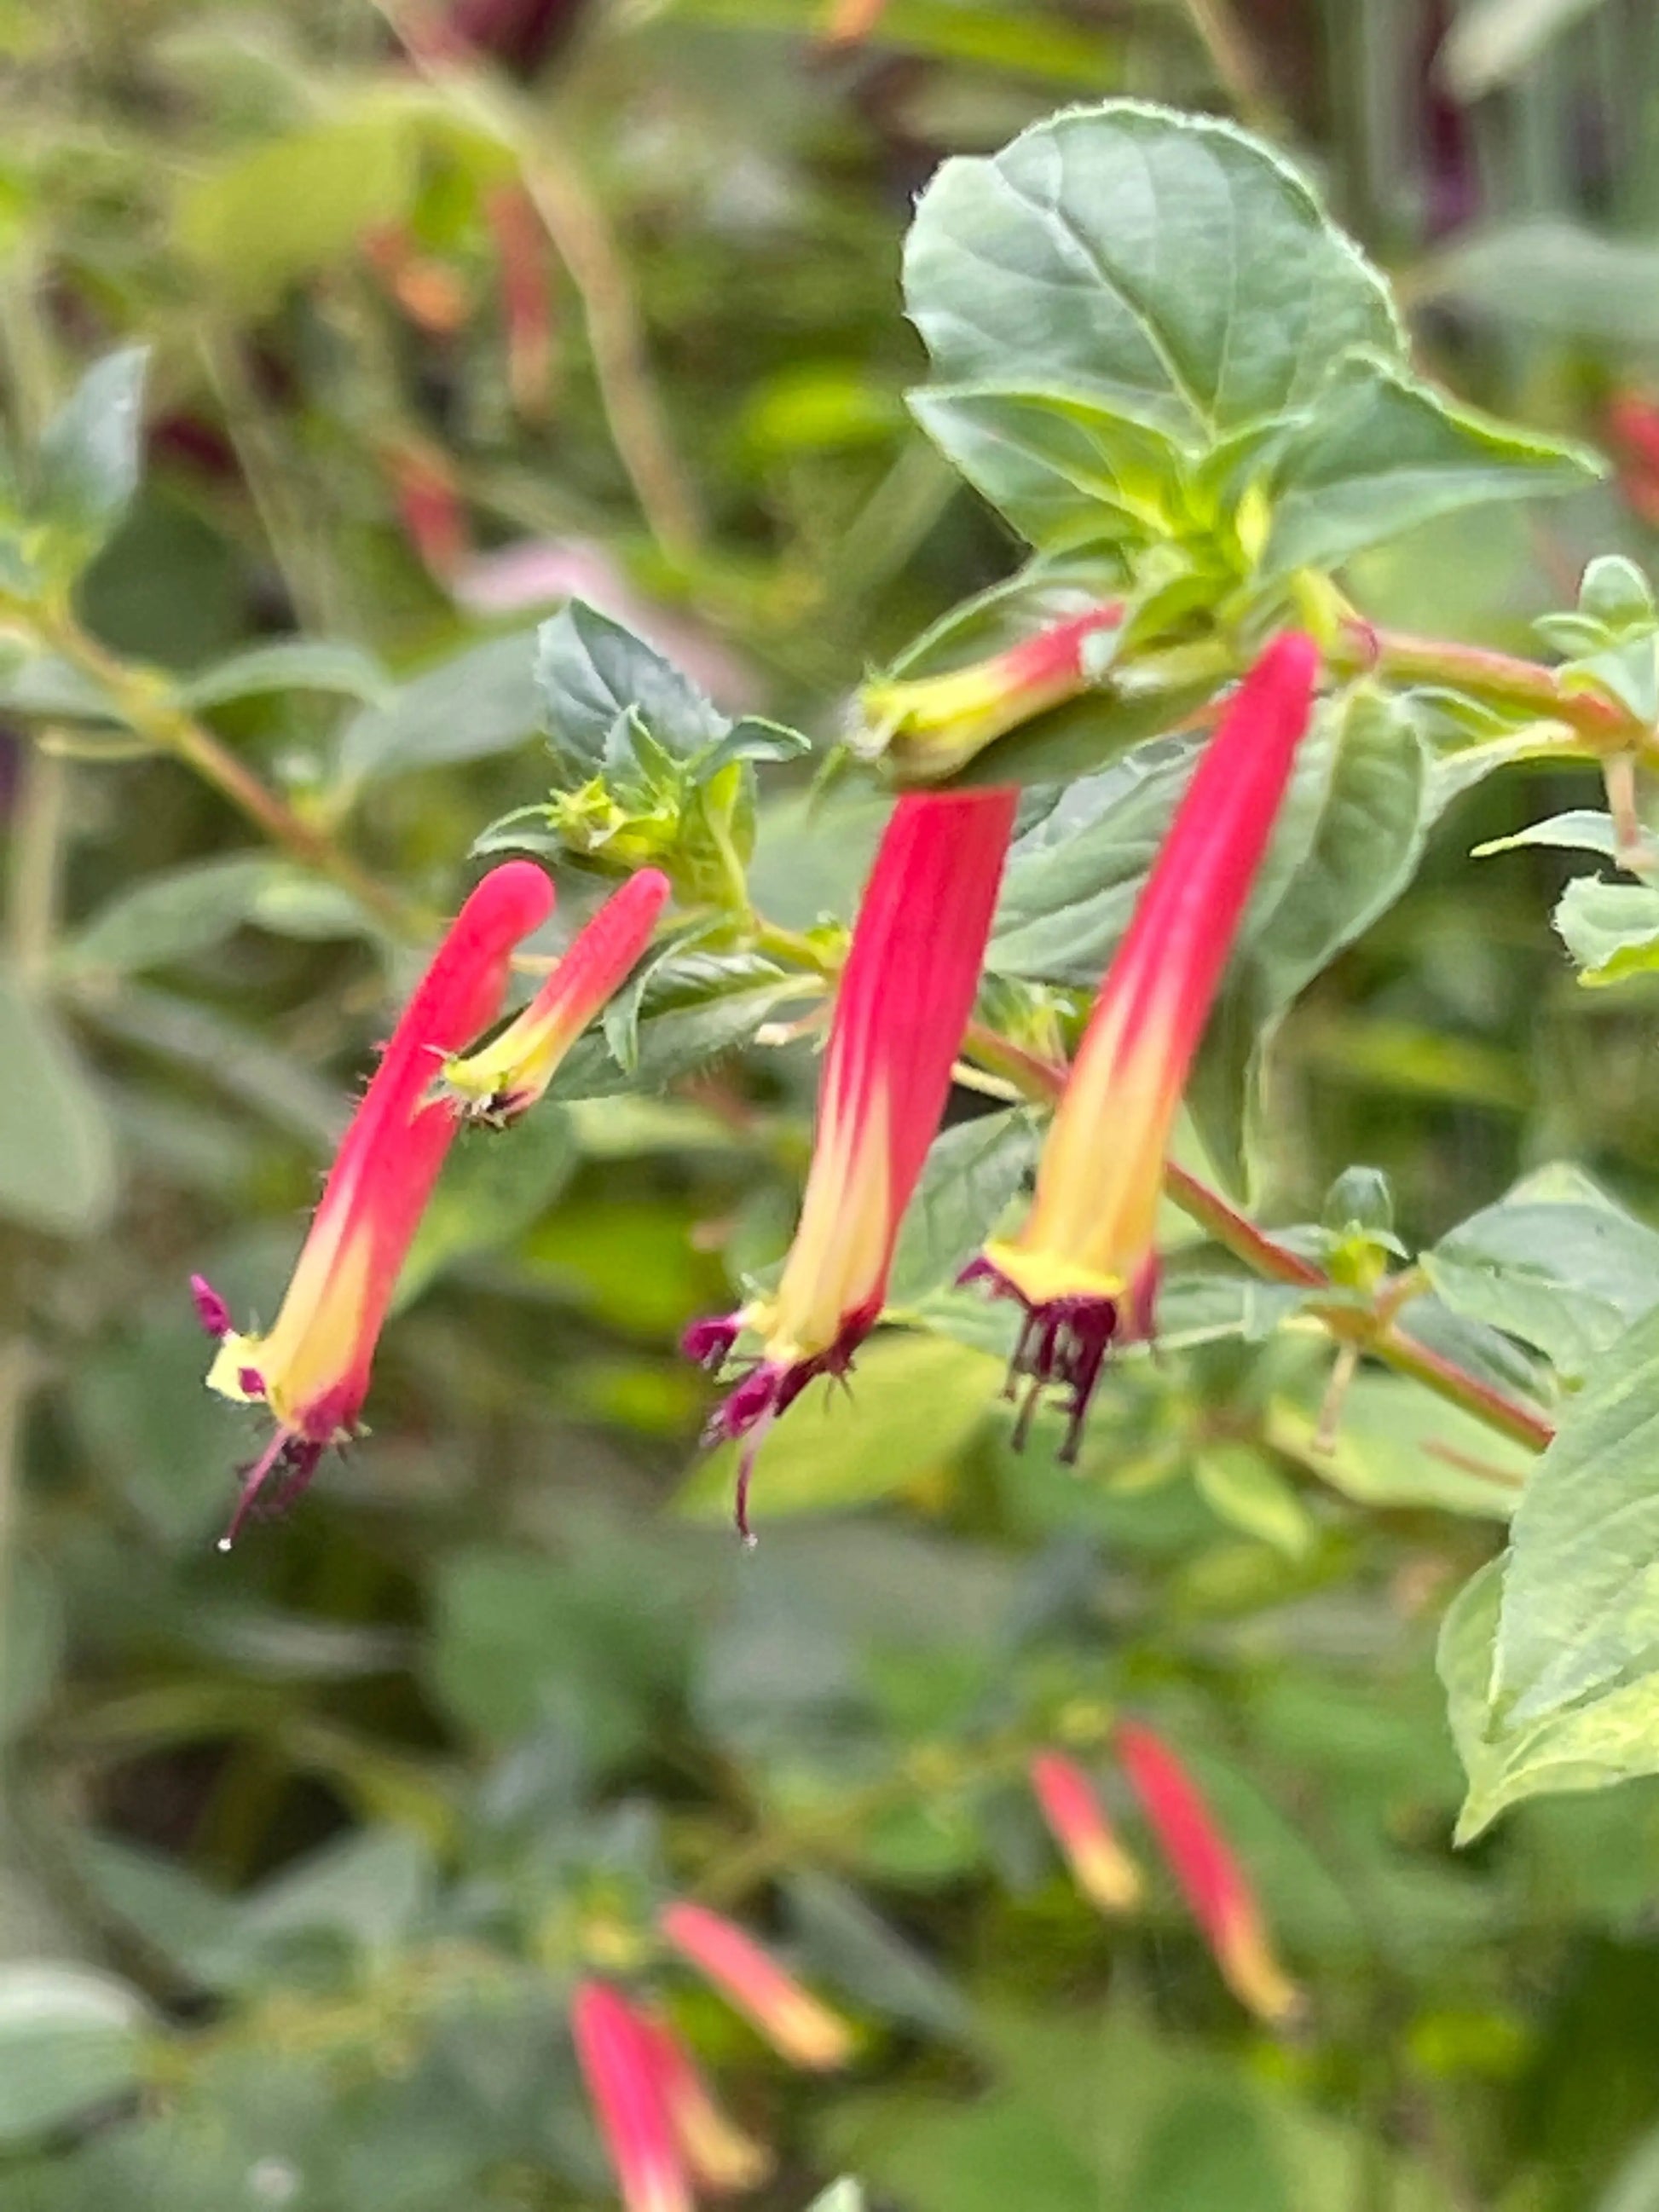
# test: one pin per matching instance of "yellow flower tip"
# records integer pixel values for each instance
(235, 1372)
(1262, 1985)
(1108, 1877)
(1045, 1279)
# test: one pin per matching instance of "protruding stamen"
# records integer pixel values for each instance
(210, 1309)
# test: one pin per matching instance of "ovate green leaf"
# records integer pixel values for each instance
(1612, 930)
(590, 672)
(56, 1162)
(69, 2042)
(477, 702)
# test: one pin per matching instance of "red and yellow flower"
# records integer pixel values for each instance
(311, 1368)
(1083, 1265)
(1211, 1880)
(506, 1076)
(797, 2024)
(902, 1007)
(1103, 1870)
(620, 2064)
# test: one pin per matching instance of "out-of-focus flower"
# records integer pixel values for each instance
(1083, 1265)
(431, 293)
(430, 507)
(312, 1367)
(1631, 419)
(720, 2156)
(526, 297)
(620, 2063)
(1104, 1871)
(1211, 1880)
(902, 1007)
(801, 2028)
(929, 727)
(506, 1076)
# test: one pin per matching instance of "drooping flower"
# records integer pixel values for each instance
(901, 1008)
(620, 2066)
(801, 2028)
(1214, 1883)
(1083, 1265)
(312, 1367)
(719, 2155)
(931, 726)
(1104, 1872)
(507, 1075)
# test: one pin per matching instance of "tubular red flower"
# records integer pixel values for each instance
(1083, 1265)
(507, 1076)
(619, 2060)
(931, 726)
(1104, 1871)
(806, 2031)
(312, 1367)
(902, 1007)
(1211, 1880)
(719, 2155)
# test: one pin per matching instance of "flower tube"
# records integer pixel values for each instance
(312, 1367)
(902, 1007)
(932, 726)
(804, 2032)
(719, 2154)
(1083, 1265)
(1211, 1880)
(1104, 1872)
(506, 1076)
(618, 2055)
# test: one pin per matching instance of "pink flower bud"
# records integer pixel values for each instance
(1082, 1266)
(1104, 1871)
(1211, 1880)
(619, 2063)
(806, 2031)
(902, 1007)
(507, 1076)
(930, 727)
(312, 1367)
(720, 2156)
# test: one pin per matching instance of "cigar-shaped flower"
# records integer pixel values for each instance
(719, 2154)
(1103, 1870)
(796, 2023)
(1214, 1883)
(507, 1075)
(618, 2057)
(931, 726)
(312, 1366)
(902, 1007)
(1083, 1265)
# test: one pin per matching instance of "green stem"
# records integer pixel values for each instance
(143, 700)
(1527, 687)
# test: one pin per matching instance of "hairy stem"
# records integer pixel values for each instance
(1528, 687)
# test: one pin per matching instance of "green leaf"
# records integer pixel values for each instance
(840, 1936)
(44, 687)
(1581, 830)
(1349, 837)
(1398, 1447)
(1556, 1263)
(479, 701)
(1080, 858)
(753, 738)
(170, 915)
(70, 2041)
(591, 673)
(295, 205)
(1551, 275)
(1077, 868)
(1249, 1494)
(293, 664)
(91, 454)
(692, 1010)
(1380, 453)
(1493, 39)
(1612, 930)
(498, 1184)
(973, 1173)
(913, 1402)
(33, 1636)
(1165, 267)
(57, 1161)
(843, 2195)
(1578, 1630)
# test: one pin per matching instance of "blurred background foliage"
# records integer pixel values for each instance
(301, 1849)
